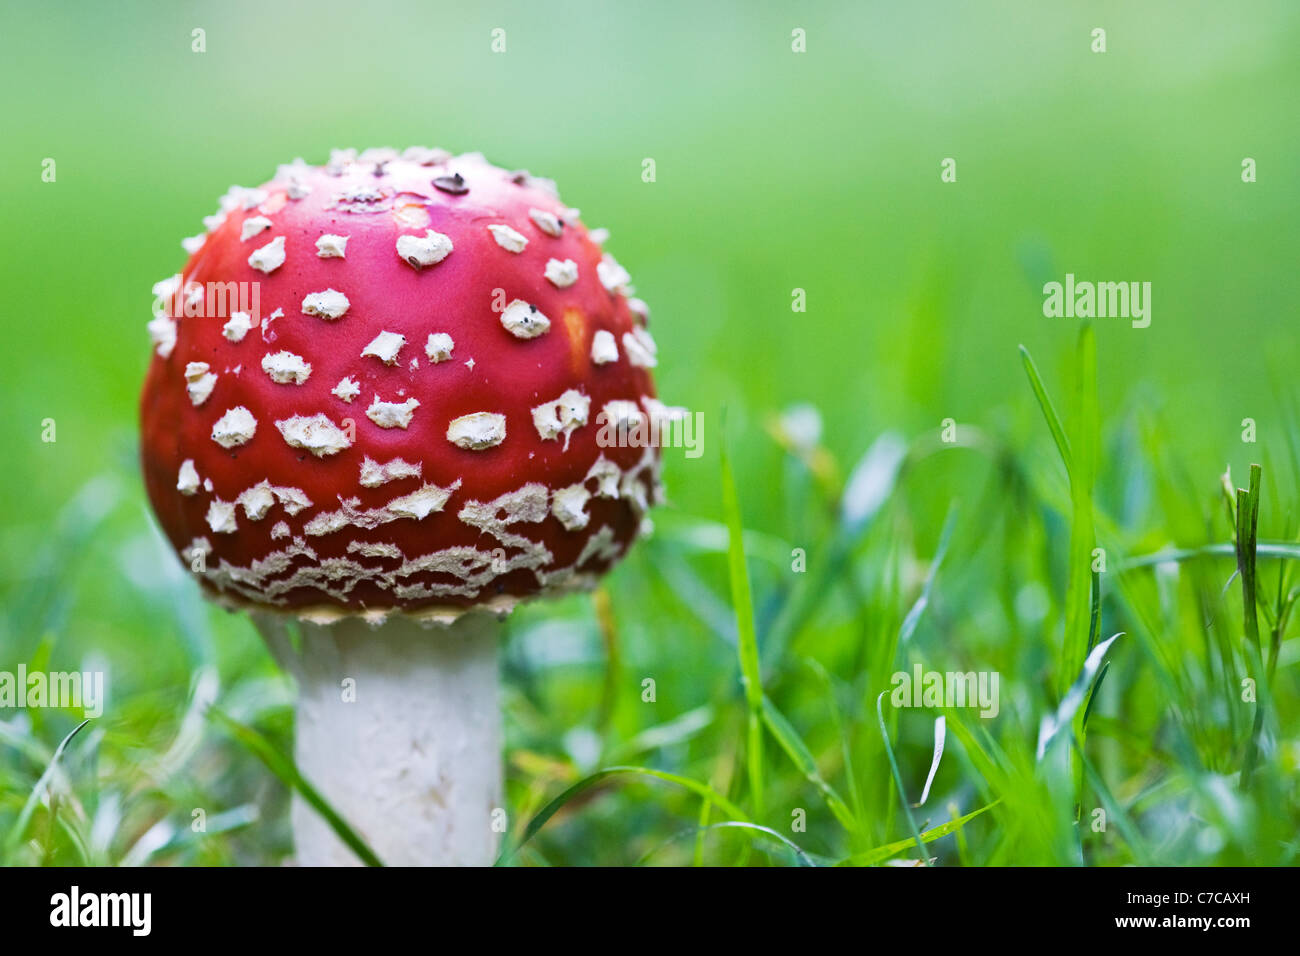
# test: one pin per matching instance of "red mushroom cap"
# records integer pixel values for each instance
(399, 382)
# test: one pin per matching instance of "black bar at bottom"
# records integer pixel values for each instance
(333, 906)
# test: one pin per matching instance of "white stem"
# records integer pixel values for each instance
(399, 729)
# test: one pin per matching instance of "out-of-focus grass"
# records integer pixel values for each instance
(775, 171)
(797, 770)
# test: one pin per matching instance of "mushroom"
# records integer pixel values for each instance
(426, 435)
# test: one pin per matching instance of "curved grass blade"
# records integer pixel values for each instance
(898, 781)
(800, 854)
(880, 853)
(540, 819)
(29, 808)
(1051, 724)
(1096, 688)
(291, 778)
(940, 733)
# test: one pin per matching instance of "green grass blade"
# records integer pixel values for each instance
(284, 768)
(1265, 549)
(540, 819)
(1082, 600)
(1247, 567)
(1096, 688)
(846, 743)
(802, 856)
(1065, 714)
(1094, 614)
(29, 807)
(1045, 403)
(1083, 538)
(1247, 543)
(747, 638)
(1123, 821)
(917, 609)
(702, 827)
(881, 853)
(898, 781)
(802, 757)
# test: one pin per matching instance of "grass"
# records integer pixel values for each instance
(1152, 751)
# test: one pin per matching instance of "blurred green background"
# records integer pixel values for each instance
(776, 170)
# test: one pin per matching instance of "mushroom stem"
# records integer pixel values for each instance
(399, 729)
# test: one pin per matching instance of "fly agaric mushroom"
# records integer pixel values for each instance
(423, 411)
